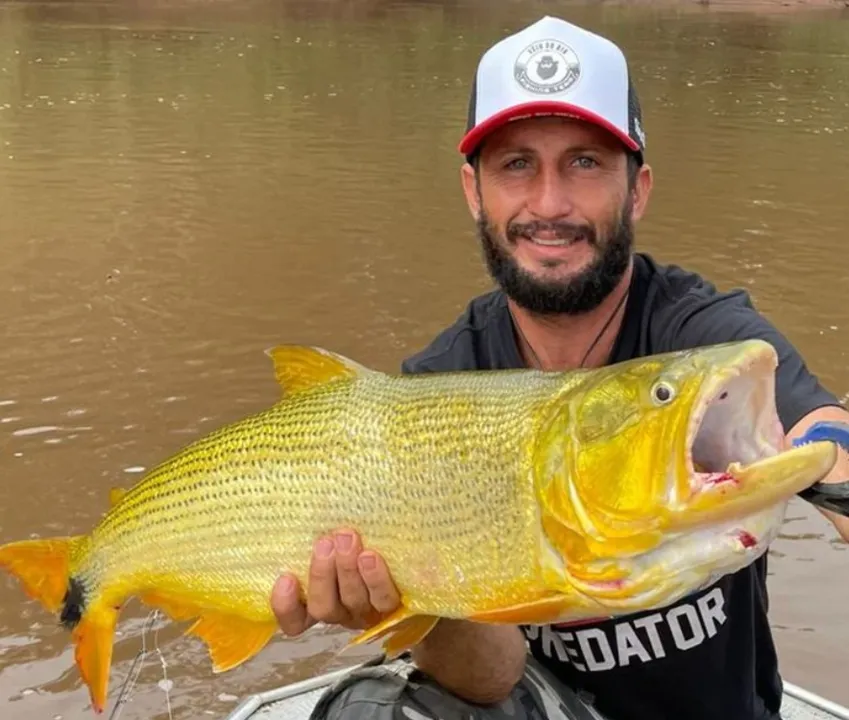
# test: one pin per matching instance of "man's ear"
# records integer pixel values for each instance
(470, 189)
(642, 191)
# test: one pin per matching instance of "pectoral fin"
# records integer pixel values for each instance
(404, 629)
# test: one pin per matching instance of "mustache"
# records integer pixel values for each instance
(560, 230)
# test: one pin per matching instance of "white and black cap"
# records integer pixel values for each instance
(554, 68)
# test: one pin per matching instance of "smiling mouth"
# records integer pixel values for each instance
(549, 241)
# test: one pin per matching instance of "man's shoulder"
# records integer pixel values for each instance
(459, 346)
(677, 298)
(672, 285)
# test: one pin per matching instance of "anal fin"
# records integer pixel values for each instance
(230, 639)
(404, 629)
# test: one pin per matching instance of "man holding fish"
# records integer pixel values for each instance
(555, 179)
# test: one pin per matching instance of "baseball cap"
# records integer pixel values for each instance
(553, 67)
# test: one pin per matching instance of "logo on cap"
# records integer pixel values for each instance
(546, 67)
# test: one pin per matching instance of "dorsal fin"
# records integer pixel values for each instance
(300, 367)
(116, 494)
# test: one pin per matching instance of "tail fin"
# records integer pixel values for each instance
(94, 638)
(41, 566)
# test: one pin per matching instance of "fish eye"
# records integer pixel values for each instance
(662, 393)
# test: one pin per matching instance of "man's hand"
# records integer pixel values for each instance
(352, 588)
(840, 473)
(347, 586)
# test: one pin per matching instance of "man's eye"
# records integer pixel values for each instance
(585, 162)
(516, 164)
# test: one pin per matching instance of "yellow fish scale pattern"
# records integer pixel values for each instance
(434, 473)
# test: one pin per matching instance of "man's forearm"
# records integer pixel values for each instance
(840, 473)
(480, 663)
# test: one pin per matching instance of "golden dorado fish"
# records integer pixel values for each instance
(511, 496)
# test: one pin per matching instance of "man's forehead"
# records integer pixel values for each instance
(551, 131)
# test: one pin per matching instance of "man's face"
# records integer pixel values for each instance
(555, 213)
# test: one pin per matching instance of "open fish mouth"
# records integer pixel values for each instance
(738, 459)
(735, 424)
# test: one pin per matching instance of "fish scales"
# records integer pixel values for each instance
(347, 456)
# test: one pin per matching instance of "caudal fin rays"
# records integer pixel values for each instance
(42, 568)
(93, 639)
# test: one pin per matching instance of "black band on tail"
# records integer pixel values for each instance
(73, 604)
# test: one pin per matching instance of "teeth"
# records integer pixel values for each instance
(550, 243)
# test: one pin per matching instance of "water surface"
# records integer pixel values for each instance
(184, 184)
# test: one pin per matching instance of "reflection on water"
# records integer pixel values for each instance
(183, 185)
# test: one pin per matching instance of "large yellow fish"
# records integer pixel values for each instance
(507, 497)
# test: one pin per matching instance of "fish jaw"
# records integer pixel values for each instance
(738, 461)
(746, 489)
(686, 563)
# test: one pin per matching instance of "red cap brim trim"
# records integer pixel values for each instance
(540, 109)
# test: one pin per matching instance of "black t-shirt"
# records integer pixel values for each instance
(710, 656)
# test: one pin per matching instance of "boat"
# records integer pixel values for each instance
(297, 700)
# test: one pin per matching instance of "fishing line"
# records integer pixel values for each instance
(138, 663)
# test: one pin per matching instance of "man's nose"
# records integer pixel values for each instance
(550, 197)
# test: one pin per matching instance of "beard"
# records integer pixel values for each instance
(572, 296)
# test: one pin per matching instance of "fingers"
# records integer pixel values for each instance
(383, 595)
(323, 600)
(288, 608)
(353, 592)
(347, 586)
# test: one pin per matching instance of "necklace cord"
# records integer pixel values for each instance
(595, 342)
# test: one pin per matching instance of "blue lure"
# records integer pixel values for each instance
(832, 496)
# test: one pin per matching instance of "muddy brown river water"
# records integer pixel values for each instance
(184, 184)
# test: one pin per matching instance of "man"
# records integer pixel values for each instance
(556, 179)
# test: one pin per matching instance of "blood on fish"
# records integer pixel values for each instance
(718, 478)
(747, 539)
